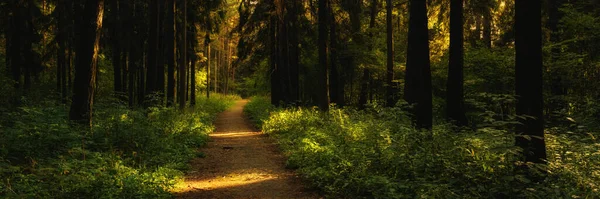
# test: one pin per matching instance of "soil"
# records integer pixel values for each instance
(241, 162)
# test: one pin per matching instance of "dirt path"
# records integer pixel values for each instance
(241, 163)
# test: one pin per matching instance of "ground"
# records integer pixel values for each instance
(241, 162)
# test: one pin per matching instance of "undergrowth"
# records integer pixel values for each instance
(377, 153)
(137, 153)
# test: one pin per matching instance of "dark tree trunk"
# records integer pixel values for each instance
(487, 27)
(207, 44)
(182, 65)
(555, 16)
(417, 90)
(336, 87)
(193, 61)
(528, 76)
(89, 28)
(455, 109)
(389, 95)
(323, 98)
(152, 52)
(171, 52)
(364, 84)
(294, 51)
(273, 61)
(16, 44)
(160, 61)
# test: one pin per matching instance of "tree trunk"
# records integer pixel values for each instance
(171, 52)
(152, 52)
(323, 92)
(336, 87)
(88, 43)
(487, 27)
(528, 76)
(455, 109)
(182, 69)
(207, 43)
(273, 63)
(417, 90)
(364, 84)
(390, 101)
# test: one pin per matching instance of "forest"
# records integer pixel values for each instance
(362, 98)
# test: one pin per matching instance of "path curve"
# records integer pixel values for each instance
(241, 162)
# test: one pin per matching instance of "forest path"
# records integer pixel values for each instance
(241, 162)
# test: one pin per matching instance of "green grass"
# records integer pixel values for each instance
(127, 154)
(378, 154)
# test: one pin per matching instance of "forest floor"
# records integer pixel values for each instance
(241, 162)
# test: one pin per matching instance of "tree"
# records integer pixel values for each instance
(171, 53)
(390, 55)
(528, 77)
(455, 109)
(364, 85)
(182, 65)
(417, 87)
(152, 51)
(322, 95)
(90, 26)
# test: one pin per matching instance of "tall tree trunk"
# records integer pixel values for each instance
(528, 85)
(160, 61)
(364, 84)
(273, 63)
(294, 51)
(183, 63)
(171, 52)
(152, 52)
(323, 91)
(89, 26)
(555, 16)
(207, 44)
(193, 61)
(455, 109)
(417, 90)
(336, 87)
(487, 27)
(390, 101)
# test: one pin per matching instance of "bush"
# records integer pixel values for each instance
(127, 154)
(377, 153)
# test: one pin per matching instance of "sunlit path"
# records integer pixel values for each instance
(240, 163)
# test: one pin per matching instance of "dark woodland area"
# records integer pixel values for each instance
(364, 98)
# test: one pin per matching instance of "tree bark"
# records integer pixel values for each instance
(152, 52)
(528, 86)
(90, 26)
(417, 90)
(323, 91)
(171, 52)
(182, 65)
(455, 110)
(390, 101)
(364, 85)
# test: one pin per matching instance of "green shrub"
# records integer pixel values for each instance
(127, 154)
(377, 153)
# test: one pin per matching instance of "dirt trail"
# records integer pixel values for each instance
(241, 162)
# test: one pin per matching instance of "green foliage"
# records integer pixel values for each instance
(377, 153)
(258, 110)
(127, 154)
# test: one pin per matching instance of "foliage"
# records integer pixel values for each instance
(127, 154)
(377, 153)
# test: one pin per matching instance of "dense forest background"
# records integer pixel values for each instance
(416, 98)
